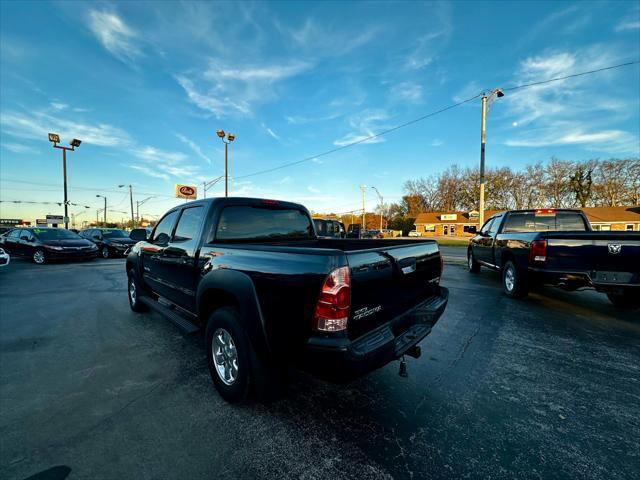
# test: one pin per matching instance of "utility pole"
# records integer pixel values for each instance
(486, 105)
(138, 203)
(105, 209)
(381, 205)
(55, 139)
(133, 221)
(97, 212)
(362, 189)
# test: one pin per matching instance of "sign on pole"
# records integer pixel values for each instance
(55, 219)
(41, 221)
(449, 216)
(186, 191)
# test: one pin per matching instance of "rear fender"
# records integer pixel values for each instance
(230, 286)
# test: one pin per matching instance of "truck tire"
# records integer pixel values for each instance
(474, 267)
(513, 282)
(625, 299)
(133, 293)
(229, 355)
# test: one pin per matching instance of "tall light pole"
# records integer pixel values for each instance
(133, 221)
(486, 106)
(105, 209)
(55, 139)
(207, 185)
(230, 137)
(381, 205)
(362, 189)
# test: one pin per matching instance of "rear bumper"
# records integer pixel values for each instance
(340, 359)
(572, 280)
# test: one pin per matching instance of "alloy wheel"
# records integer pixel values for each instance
(225, 356)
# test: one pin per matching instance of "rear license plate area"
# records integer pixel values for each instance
(612, 277)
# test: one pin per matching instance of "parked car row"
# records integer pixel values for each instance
(44, 244)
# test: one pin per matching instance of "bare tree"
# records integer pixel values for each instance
(557, 174)
(581, 181)
(610, 188)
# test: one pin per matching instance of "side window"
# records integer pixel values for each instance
(487, 225)
(189, 224)
(14, 234)
(493, 228)
(162, 232)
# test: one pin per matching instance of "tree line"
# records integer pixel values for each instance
(554, 184)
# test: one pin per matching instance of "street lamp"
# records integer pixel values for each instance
(133, 222)
(486, 106)
(207, 185)
(230, 138)
(381, 205)
(55, 139)
(138, 203)
(105, 209)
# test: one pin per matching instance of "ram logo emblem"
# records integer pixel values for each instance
(614, 248)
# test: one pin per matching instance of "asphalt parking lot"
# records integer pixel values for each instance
(548, 387)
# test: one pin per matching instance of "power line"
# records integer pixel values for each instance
(556, 79)
(362, 140)
(428, 115)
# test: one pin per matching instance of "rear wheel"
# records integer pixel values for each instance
(236, 370)
(474, 267)
(38, 256)
(134, 292)
(104, 252)
(625, 299)
(513, 282)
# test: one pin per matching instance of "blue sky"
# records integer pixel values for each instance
(146, 85)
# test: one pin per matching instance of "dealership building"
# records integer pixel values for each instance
(464, 224)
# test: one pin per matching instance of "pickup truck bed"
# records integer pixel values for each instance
(336, 307)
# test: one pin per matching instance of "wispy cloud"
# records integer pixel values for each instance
(115, 35)
(271, 133)
(225, 91)
(313, 189)
(59, 105)
(19, 148)
(407, 91)
(365, 124)
(36, 125)
(628, 24)
(570, 112)
(193, 146)
(163, 164)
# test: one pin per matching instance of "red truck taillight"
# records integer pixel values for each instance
(332, 309)
(538, 251)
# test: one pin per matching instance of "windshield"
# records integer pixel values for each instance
(108, 233)
(55, 234)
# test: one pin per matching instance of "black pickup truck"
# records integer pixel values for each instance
(557, 247)
(270, 294)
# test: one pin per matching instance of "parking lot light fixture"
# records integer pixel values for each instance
(133, 221)
(55, 139)
(230, 137)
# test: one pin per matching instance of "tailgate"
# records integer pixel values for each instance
(388, 281)
(594, 251)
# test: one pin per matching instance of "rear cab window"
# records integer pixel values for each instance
(254, 223)
(546, 222)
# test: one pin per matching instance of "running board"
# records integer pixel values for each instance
(182, 323)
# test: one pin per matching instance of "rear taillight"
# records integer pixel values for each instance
(538, 251)
(332, 309)
(441, 265)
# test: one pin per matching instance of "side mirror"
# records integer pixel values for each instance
(138, 234)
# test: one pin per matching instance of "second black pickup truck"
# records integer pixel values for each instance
(557, 247)
(270, 294)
